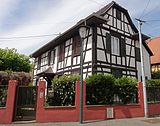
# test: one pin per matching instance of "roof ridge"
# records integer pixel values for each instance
(105, 8)
(155, 37)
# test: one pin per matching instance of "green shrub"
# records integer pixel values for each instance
(64, 91)
(126, 89)
(153, 82)
(100, 89)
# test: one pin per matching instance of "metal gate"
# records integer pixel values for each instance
(25, 104)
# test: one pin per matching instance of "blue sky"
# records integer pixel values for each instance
(20, 18)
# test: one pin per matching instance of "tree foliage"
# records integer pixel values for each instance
(23, 78)
(11, 60)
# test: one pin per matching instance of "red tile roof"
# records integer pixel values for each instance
(154, 45)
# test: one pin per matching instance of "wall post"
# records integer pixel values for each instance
(140, 96)
(40, 100)
(8, 111)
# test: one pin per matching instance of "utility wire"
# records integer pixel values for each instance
(24, 37)
(144, 9)
(37, 23)
(153, 20)
(152, 10)
(96, 2)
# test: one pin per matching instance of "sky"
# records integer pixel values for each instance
(27, 25)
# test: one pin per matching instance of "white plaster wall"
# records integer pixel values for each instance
(147, 67)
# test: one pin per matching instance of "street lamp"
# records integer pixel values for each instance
(82, 33)
(142, 68)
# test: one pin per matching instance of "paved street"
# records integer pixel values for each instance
(117, 122)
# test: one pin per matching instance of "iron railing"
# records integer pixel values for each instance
(3, 95)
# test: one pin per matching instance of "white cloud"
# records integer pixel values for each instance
(45, 18)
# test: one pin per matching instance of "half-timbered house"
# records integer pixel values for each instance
(154, 45)
(111, 46)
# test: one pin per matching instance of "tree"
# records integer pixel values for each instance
(11, 60)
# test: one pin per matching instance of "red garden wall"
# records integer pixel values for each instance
(71, 113)
(119, 111)
(6, 113)
(90, 112)
(56, 114)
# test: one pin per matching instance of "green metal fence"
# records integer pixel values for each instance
(153, 94)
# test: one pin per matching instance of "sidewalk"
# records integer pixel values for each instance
(116, 122)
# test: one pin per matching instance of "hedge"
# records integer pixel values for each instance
(102, 90)
(23, 78)
(153, 82)
(63, 91)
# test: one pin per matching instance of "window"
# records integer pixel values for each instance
(118, 14)
(115, 45)
(117, 72)
(76, 44)
(51, 57)
(61, 52)
(76, 72)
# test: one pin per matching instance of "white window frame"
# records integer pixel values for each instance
(115, 45)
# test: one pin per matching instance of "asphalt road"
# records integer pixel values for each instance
(116, 122)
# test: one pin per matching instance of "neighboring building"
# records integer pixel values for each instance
(154, 45)
(111, 46)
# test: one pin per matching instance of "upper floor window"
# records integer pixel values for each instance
(76, 44)
(51, 57)
(118, 14)
(117, 72)
(115, 46)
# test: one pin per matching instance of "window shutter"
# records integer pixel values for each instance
(61, 52)
(138, 58)
(76, 45)
(39, 63)
(49, 57)
(118, 14)
(123, 47)
(54, 54)
(108, 42)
